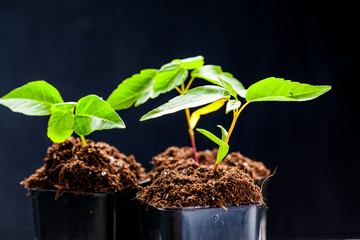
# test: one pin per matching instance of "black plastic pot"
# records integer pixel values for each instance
(105, 216)
(71, 216)
(246, 222)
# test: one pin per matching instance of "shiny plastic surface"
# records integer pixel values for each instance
(105, 216)
(246, 222)
(83, 216)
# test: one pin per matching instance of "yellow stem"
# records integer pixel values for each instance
(182, 87)
(83, 140)
(235, 117)
(189, 84)
(178, 89)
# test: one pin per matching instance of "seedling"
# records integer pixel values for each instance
(269, 89)
(150, 83)
(39, 98)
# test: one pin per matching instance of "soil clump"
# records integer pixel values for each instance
(198, 186)
(179, 158)
(96, 167)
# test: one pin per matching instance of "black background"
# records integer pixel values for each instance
(89, 46)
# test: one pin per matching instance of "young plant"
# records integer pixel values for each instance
(39, 98)
(150, 83)
(269, 89)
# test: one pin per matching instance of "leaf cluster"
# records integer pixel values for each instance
(228, 89)
(88, 114)
(150, 83)
(92, 113)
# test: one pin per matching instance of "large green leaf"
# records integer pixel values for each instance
(193, 98)
(136, 89)
(191, 62)
(169, 76)
(278, 89)
(212, 73)
(223, 146)
(61, 122)
(92, 113)
(34, 98)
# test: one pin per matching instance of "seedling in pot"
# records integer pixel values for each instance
(150, 83)
(39, 98)
(269, 89)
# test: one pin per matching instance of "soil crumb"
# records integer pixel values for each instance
(96, 167)
(179, 158)
(198, 186)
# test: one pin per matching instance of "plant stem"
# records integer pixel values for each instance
(187, 112)
(192, 134)
(192, 137)
(83, 140)
(179, 90)
(235, 117)
(189, 84)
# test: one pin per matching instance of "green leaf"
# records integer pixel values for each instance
(64, 106)
(136, 89)
(92, 113)
(278, 89)
(169, 76)
(212, 73)
(61, 122)
(232, 105)
(224, 133)
(228, 87)
(193, 98)
(223, 146)
(192, 62)
(34, 98)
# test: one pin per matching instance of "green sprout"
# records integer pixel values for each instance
(150, 83)
(39, 98)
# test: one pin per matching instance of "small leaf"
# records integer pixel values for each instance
(228, 87)
(232, 105)
(212, 107)
(169, 76)
(278, 89)
(192, 62)
(222, 152)
(236, 84)
(212, 73)
(223, 147)
(193, 98)
(63, 106)
(92, 113)
(224, 133)
(34, 98)
(61, 122)
(136, 89)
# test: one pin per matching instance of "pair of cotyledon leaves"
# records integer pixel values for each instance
(39, 98)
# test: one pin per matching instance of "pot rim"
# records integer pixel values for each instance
(228, 206)
(86, 193)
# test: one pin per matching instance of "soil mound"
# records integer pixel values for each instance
(70, 166)
(179, 158)
(198, 186)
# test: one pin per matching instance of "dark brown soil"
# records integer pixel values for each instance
(180, 158)
(70, 166)
(198, 186)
